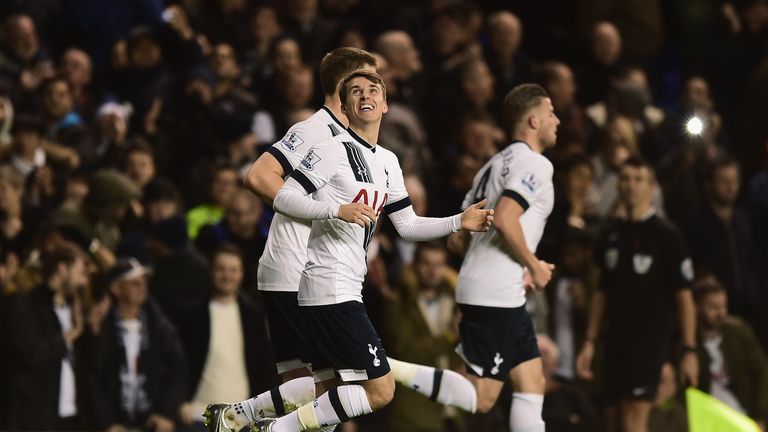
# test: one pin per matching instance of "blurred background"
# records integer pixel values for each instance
(125, 127)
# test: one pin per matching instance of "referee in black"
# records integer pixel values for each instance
(644, 291)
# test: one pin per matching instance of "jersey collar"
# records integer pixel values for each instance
(360, 140)
(333, 116)
(520, 142)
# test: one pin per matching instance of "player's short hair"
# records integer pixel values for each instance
(66, 253)
(519, 101)
(370, 76)
(339, 63)
(706, 286)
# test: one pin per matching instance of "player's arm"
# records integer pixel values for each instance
(313, 173)
(418, 228)
(507, 222)
(266, 176)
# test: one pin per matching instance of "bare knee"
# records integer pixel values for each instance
(485, 403)
(380, 391)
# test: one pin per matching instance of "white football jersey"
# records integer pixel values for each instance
(285, 253)
(490, 275)
(344, 170)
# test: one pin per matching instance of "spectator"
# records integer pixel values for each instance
(264, 27)
(223, 185)
(508, 65)
(618, 141)
(603, 64)
(422, 325)
(113, 122)
(566, 407)
(558, 80)
(138, 373)
(404, 63)
(242, 226)
(721, 241)
(733, 368)
(313, 30)
(180, 273)
(226, 341)
(645, 271)
(161, 201)
(401, 129)
(480, 137)
(75, 65)
(18, 222)
(573, 285)
(140, 164)
(111, 197)
(295, 97)
(47, 381)
(63, 124)
(22, 60)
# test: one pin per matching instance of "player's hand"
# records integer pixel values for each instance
(357, 213)
(584, 361)
(476, 218)
(689, 369)
(541, 274)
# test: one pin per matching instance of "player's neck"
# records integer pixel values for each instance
(334, 104)
(529, 139)
(369, 132)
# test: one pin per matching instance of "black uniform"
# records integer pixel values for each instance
(644, 264)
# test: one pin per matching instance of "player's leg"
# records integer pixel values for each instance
(528, 397)
(346, 338)
(443, 386)
(488, 391)
(635, 414)
(519, 356)
(336, 406)
(483, 347)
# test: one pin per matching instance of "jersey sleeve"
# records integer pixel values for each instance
(398, 196)
(318, 167)
(525, 181)
(677, 262)
(292, 148)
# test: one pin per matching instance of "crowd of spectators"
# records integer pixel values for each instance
(125, 128)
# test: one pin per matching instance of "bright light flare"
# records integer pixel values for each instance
(694, 126)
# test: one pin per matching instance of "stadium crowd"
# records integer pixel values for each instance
(126, 127)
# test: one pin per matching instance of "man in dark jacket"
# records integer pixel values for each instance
(138, 375)
(226, 341)
(44, 327)
(733, 367)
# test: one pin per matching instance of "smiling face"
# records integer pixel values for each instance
(365, 101)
